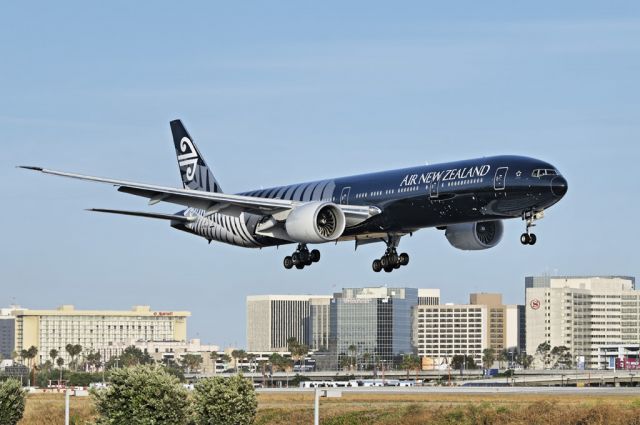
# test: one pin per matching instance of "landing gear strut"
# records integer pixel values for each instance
(301, 257)
(391, 260)
(528, 238)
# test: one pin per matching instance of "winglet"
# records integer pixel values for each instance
(30, 167)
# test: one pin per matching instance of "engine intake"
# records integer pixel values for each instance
(315, 222)
(475, 236)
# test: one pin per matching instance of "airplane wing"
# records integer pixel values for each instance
(209, 201)
(172, 217)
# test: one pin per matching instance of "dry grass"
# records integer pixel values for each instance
(409, 409)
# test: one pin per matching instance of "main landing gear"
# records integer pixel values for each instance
(391, 260)
(301, 257)
(528, 238)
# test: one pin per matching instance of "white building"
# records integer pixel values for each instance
(583, 313)
(163, 351)
(428, 296)
(273, 319)
(443, 331)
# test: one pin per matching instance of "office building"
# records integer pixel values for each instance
(103, 331)
(372, 324)
(7, 332)
(273, 319)
(428, 296)
(583, 313)
(443, 331)
(503, 326)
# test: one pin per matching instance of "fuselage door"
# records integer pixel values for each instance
(433, 189)
(344, 195)
(499, 181)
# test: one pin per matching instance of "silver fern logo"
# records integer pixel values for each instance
(189, 157)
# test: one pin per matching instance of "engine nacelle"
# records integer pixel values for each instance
(475, 236)
(315, 222)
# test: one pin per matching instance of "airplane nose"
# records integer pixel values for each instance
(559, 186)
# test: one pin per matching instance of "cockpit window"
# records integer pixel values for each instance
(540, 172)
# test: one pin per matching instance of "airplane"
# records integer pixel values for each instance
(468, 200)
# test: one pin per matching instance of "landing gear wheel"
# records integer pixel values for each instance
(376, 266)
(525, 239)
(388, 269)
(296, 258)
(532, 239)
(397, 265)
(384, 261)
(404, 259)
(288, 262)
(315, 255)
(299, 266)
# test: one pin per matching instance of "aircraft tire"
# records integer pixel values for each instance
(315, 255)
(376, 265)
(299, 266)
(388, 269)
(404, 259)
(532, 239)
(524, 239)
(288, 262)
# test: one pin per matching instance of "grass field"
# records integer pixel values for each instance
(388, 409)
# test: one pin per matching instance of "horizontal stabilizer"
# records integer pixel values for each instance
(172, 217)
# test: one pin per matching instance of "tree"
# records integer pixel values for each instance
(460, 360)
(353, 350)
(503, 356)
(543, 351)
(73, 351)
(53, 353)
(93, 360)
(488, 357)
(411, 362)
(191, 362)
(133, 356)
(141, 395)
(561, 356)
(12, 402)
(224, 401)
(237, 356)
(298, 351)
(60, 362)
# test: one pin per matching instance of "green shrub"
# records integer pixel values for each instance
(141, 395)
(12, 400)
(224, 401)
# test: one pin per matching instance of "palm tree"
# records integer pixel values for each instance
(488, 357)
(503, 356)
(73, 351)
(60, 362)
(238, 355)
(53, 353)
(353, 350)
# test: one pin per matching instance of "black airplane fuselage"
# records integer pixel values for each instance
(438, 195)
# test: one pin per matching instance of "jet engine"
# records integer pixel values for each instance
(475, 236)
(315, 222)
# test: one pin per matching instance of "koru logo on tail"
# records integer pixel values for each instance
(189, 157)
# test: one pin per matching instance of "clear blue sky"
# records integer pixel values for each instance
(280, 92)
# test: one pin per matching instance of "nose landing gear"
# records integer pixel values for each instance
(391, 260)
(528, 238)
(301, 257)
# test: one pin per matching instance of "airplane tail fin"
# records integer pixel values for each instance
(193, 169)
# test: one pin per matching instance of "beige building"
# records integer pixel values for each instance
(104, 331)
(428, 296)
(503, 321)
(443, 331)
(273, 319)
(583, 313)
(163, 351)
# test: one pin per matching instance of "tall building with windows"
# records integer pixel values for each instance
(273, 319)
(428, 296)
(583, 313)
(103, 331)
(503, 326)
(443, 331)
(372, 324)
